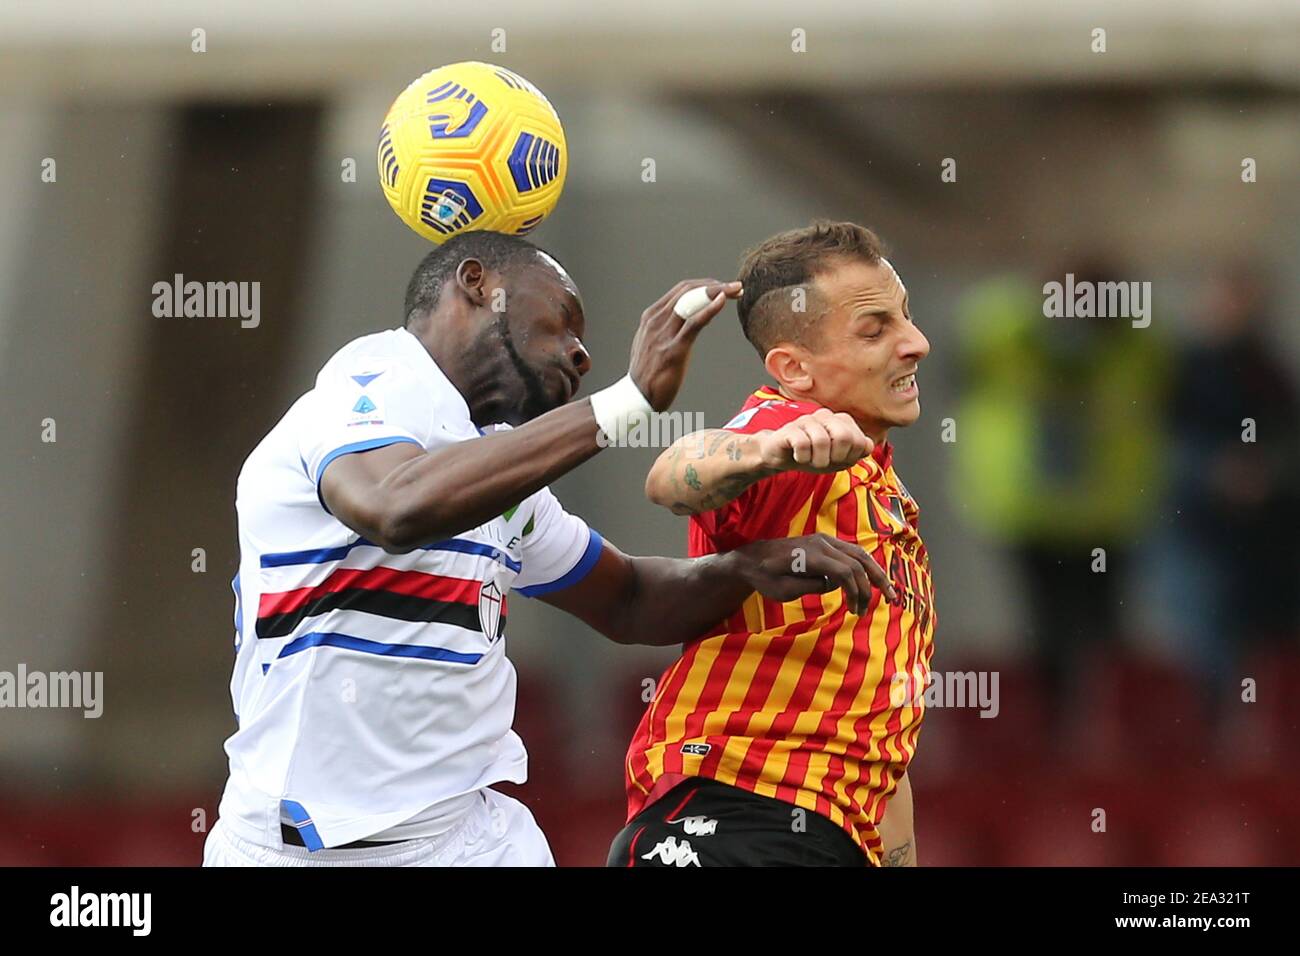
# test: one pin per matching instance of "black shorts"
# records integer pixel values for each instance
(701, 822)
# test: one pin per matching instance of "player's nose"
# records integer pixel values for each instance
(580, 359)
(915, 346)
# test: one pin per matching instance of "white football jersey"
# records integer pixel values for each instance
(372, 689)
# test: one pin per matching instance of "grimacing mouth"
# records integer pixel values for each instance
(903, 382)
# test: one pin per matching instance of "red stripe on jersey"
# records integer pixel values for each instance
(435, 587)
(770, 665)
(715, 682)
(856, 673)
(882, 699)
(854, 682)
(800, 699)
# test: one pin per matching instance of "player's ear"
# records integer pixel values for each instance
(786, 364)
(470, 279)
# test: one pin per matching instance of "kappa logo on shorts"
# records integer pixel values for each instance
(697, 825)
(698, 750)
(671, 853)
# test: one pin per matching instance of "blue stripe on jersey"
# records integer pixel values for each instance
(369, 444)
(475, 547)
(301, 820)
(284, 559)
(323, 555)
(348, 642)
(575, 574)
(239, 609)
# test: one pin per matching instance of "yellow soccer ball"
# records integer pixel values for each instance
(472, 146)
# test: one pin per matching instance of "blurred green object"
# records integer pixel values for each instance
(1060, 434)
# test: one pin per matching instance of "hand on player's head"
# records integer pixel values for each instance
(821, 442)
(663, 341)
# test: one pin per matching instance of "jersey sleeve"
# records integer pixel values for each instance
(558, 548)
(740, 520)
(362, 407)
(768, 415)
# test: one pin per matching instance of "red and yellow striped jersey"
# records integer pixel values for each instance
(803, 701)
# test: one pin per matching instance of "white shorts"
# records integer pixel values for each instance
(496, 831)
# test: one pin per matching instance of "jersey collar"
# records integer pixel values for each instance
(441, 382)
(882, 454)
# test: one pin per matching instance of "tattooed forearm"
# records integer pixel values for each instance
(726, 489)
(899, 856)
(703, 471)
(733, 487)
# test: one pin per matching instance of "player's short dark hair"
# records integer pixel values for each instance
(772, 270)
(496, 250)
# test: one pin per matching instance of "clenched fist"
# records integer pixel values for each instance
(822, 442)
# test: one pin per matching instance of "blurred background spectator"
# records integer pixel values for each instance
(1230, 554)
(1059, 454)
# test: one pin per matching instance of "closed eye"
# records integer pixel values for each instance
(874, 324)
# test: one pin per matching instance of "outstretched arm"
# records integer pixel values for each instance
(706, 469)
(401, 497)
(661, 601)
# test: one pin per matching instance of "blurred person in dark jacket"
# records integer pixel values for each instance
(1231, 555)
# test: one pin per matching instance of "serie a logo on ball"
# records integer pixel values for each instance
(472, 146)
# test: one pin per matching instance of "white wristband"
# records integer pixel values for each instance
(617, 408)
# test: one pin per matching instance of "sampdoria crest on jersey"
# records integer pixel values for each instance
(490, 602)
